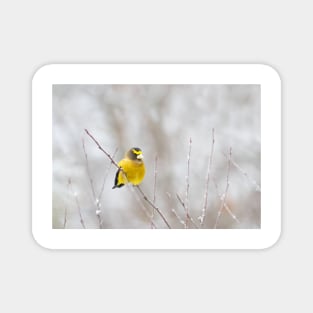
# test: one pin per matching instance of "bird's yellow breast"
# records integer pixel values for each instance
(133, 170)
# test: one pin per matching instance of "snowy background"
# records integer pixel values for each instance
(161, 120)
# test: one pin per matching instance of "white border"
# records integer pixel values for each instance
(48, 75)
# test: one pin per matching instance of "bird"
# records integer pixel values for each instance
(131, 169)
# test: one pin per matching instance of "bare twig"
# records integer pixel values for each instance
(88, 170)
(231, 213)
(77, 203)
(95, 199)
(244, 173)
(106, 175)
(207, 181)
(154, 207)
(65, 210)
(100, 148)
(145, 210)
(181, 221)
(188, 215)
(98, 200)
(65, 218)
(155, 177)
(224, 196)
(179, 218)
(154, 185)
(227, 208)
(186, 205)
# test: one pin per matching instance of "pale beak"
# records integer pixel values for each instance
(140, 157)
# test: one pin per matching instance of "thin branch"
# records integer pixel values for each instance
(155, 177)
(95, 199)
(186, 206)
(154, 185)
(252, 181)
(65, 210)
(77, 203)
(154, 207)
(179, 218)
(227, 208)
(88, 170)
(224, 196)
(181, 221)
(100, 148)
(106, 175)
(207, 181)
(145, 210)
(188, 216)
(231, 213)
(98, 200)
(65, 218)
(106, 153)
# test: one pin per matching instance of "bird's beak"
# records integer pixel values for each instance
(140, 156)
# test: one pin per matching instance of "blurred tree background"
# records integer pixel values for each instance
(161, 120)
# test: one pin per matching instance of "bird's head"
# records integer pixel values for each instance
(135, 154)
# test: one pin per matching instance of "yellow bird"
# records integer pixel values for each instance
(131, 169)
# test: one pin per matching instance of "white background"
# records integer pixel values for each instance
(34, 33)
